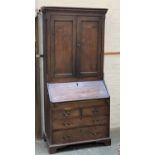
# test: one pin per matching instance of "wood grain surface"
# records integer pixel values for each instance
(72, 91)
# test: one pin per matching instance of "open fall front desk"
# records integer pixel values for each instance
(80, 112)
(72, 91)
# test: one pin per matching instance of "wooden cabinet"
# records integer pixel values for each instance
(72, 38)
(76, 100)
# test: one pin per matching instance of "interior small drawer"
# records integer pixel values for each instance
(66, 113)
(95, 110)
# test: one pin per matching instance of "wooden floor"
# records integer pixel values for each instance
(112, 79)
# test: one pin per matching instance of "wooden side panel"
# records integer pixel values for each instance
(89, 43)
(63, 46)
(37, 86)
(47, 74)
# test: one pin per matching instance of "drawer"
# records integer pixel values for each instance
(65, 113)
(80, 134)
(80, 104)
(66, 123)
(78, 108)
(77, 122)
(95, 111)
(88, 121)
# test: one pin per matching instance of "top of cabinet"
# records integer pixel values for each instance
(74, 9)
(73, 91)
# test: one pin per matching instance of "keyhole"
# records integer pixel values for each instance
(77, 84)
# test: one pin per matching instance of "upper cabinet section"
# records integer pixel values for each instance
(73, 44)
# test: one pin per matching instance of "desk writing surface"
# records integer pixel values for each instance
(73, 91)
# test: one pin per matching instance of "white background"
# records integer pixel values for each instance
(17, 78)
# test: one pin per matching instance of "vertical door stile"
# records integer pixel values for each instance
(102, 45)
(100, 49)
(51, 52)
(78, 47)
(74, 45)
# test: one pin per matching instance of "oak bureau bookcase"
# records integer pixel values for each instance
(76, 100)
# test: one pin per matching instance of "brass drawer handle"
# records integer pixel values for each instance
(66, 137)
(96, 121)
(95, 110)
(93, 133)
(66, 124)
(66, 113)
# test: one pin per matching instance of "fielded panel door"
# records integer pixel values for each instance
(89, 46)
(63, 41)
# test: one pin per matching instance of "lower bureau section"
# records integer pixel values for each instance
(80, 134)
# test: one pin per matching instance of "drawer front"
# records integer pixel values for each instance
(80, 134)
(80, 104)
(66, 123)
(66, 113)
(77, 122)
(80, 108)
(88, 121)
(96, 111)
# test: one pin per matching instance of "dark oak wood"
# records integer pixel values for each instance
(79, 134)
(79, 122)
(37, 86)
(62, 92)
(66, 113)
(63, 40)
(106, 143)
(82, 104)
(76, 100)
(73, 36)
(53, 148)
(89, 46)
(96, 110)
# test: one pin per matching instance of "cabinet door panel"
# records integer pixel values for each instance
(63, 46)
(89, 46)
